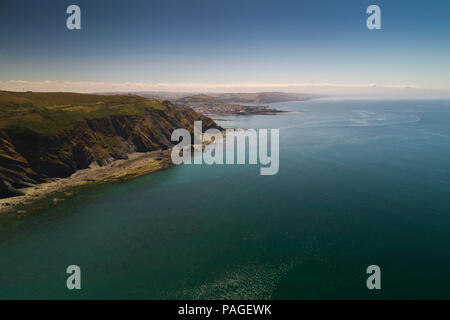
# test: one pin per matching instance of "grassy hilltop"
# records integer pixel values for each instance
(48, 113)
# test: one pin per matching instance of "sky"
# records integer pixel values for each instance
(318, 46)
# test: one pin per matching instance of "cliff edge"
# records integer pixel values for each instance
(48, 135)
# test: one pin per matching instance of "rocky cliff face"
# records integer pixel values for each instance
(28, 157)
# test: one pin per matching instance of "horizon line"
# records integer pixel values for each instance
(325, 88)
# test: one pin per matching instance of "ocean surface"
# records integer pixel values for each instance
(360, 183)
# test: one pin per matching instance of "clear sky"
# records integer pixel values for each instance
(215, 45)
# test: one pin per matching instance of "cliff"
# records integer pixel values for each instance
(46, 135)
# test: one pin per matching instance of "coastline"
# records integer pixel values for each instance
(261, 111)
(59, 189)
(55, 190)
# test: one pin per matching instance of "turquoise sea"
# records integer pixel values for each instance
(361, 182)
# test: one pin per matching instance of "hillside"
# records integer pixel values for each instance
(44, 135)
(261, 97)
(212, 106)
(200, 100)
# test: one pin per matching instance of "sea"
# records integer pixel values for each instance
(360, 183)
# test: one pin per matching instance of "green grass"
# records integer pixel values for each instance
(199, 100)
(49, 113)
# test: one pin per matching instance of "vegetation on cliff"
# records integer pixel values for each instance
(44, 135)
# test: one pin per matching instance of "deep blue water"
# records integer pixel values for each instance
(360, 183)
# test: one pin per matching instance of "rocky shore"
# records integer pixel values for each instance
(59, 189)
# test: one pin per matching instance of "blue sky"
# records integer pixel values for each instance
(232, 42)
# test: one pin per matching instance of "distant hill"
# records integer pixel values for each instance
(200, 100)
(229, 98)
(261, 97)
(46, 135)
(236, 103)
(212, 106)
(166, 95)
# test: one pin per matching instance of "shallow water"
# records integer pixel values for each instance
(360, 183)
